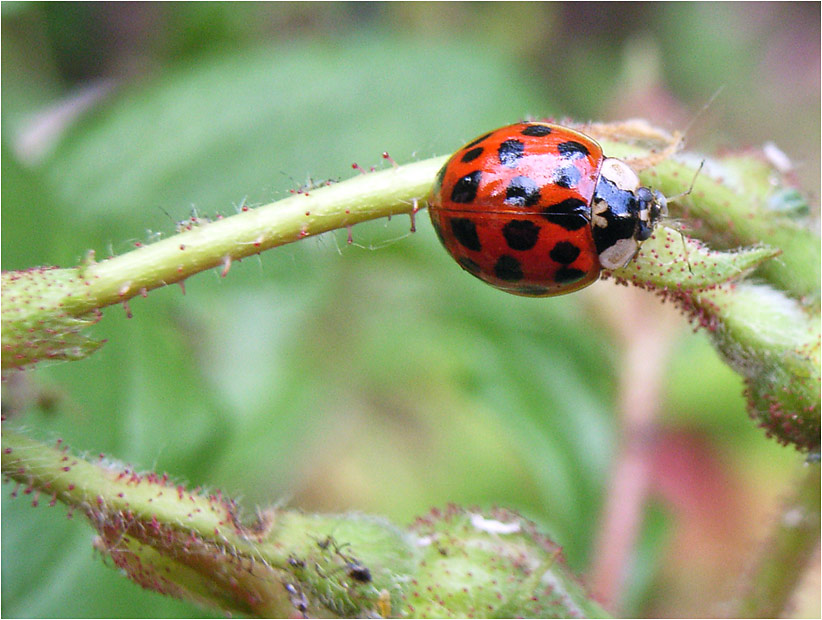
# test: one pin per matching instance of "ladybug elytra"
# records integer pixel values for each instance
(536, 209)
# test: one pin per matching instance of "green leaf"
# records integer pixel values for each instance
(671, 261)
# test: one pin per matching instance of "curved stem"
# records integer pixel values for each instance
(193, 545)
(370, 196)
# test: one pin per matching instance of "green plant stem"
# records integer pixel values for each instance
(192, 545)
(44, 310)
(785, 557)
(732, 217)
(373, 195)
(288, 564)
(738, 200)
(79, 483)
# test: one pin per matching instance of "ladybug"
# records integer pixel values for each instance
(536, 209)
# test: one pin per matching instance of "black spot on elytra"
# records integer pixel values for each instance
(522, 192)
(566, 275)
(472, 154)
(465, 232)
(508, 268)
(510, 152)
(572, 149)
(567, 176)
(520, 234)
(571, 214)
(564, 252)
(465, 190)
(477, 141)
(536, 131)
(469, 265)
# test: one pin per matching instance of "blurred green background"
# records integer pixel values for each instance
(376, 376)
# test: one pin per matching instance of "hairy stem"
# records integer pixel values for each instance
(373, 195)
(182, 543)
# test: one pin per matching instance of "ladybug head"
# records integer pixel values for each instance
(652, 206)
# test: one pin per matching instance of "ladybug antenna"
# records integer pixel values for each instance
(702, 110)
(690, 188)
(679, 229)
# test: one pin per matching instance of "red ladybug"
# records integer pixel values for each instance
(536, 209)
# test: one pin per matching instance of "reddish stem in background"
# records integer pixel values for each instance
(645, 329)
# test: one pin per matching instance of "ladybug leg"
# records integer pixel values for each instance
(685, 249)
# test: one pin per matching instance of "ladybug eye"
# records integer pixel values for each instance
(659, 206)
(652, 200)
